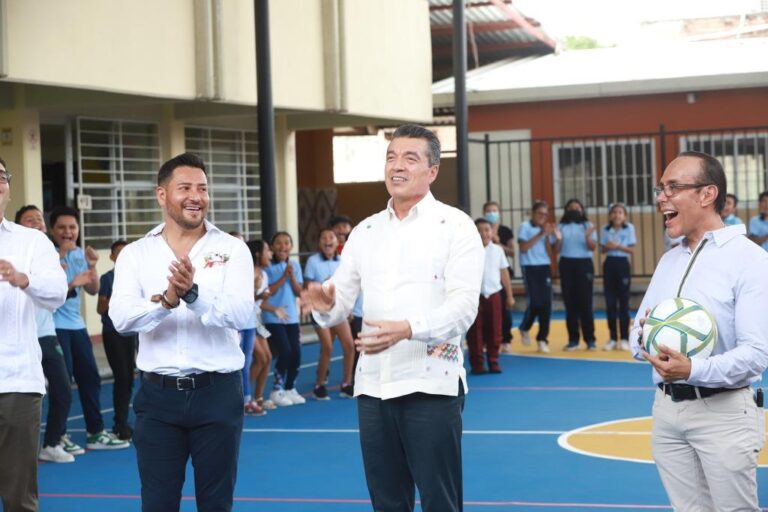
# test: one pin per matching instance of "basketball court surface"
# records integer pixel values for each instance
(556, 432)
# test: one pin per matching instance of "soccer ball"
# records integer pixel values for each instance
(682, 325)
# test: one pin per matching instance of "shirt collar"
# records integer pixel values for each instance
(721, 236)
(423, 206)
(159, 228)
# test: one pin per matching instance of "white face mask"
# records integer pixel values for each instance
(492, 217)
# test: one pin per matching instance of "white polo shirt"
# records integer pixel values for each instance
(495, 261)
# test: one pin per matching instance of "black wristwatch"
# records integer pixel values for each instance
(191, 295)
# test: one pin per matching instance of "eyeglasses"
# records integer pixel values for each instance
(5, 177)
(672, 189)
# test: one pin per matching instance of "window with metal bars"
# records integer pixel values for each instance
(603, 172)
(232, 161)
(117, 166)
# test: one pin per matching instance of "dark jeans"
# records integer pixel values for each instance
(576, 279)
(538, 291)
(59, 390)
(412, 441)
(285, 338)
(172, 425)
(78, 354)
(616, 279)
(19, 440)
(121, 355)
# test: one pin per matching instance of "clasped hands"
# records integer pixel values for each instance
(384, 333)
(180, 281)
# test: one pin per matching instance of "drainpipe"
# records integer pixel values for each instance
(266, 122)
(460, 102)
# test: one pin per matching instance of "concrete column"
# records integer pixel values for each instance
(171, 134)
(20, 148)
(287, 188)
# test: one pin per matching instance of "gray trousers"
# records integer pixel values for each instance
(19, 440)
(706, 451)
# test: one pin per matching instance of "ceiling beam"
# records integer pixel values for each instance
(514, 15)
(486, 26)
(446, 51)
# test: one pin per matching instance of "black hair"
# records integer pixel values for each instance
(414, 131)
(182, 160)
(24, 209)
(339, 219)
(539, 204)
(272, 242)
(116, 244)
(257, 249)
(735, 199)
(565, 220)
(481, 220)
(63, 211)
(491, 203)
(711, 174)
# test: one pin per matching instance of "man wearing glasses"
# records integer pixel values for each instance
(30, 276)
(708, 426)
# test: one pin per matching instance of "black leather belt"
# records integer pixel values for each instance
(185, 383)
(680, 392)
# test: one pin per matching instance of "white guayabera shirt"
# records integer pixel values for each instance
(197, 337)
(730, 280)
(426, 269)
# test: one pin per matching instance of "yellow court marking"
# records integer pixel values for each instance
(628, 439)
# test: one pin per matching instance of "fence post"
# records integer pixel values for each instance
(487, 167)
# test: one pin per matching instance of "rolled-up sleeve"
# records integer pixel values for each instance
(47, 280)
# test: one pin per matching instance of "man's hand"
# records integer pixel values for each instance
(383, 335)
(91, 256)
(9, 274)
(671, 364)
(181, 279)
(318, 297)
(640, 334)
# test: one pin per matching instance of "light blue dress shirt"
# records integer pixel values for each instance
(625, 236)
(759, 227)
(574, 244)
(537, 254)
(736, 295)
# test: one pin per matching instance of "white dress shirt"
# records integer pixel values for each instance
(193, 338)
(425, 269)
(730, 279)
(494, 262)
(30, 252)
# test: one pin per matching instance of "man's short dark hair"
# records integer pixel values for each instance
(63, 211)
(414, 131)
(24, 209)
(735, 199)
(712, 174)
(339, 219)
(116, 244)
(481, 220)
(183, 160)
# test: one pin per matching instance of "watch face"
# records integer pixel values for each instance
(191, 295)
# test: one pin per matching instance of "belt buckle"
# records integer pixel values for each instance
(181, 383)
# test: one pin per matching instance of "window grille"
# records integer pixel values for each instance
(232, 162)
(603, 172)
(117, 167)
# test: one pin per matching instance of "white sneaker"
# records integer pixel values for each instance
(70, 446)
(543, 347)
(280, 398)
(295, 397)
(624, 345)
(526, 338)
(105, 441)
(55, 454)
(506, 348)
(611, 345)
(267, 405)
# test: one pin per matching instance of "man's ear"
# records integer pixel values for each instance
(710, 196)
(433, 173)
(160, 195)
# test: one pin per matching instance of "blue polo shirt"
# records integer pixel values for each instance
(574, 245)
(732, 220)
(283, 296)
(537, 254)
(759, 227)
(68, 315)
(625, 236)
(319, 269)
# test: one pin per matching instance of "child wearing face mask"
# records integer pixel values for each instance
(505, 238)
(617, 240)
(576, 245)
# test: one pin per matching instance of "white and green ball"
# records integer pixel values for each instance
(682, 325)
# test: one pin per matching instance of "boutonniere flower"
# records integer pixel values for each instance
(215, 258)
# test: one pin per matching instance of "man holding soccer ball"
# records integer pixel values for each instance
(707, 426)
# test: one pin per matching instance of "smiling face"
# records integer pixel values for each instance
(266, 256)
(618, 215)
(33, 219)
(407, 172)
(65, 231)
(184, 197)
(282, 246)
(688, 212)
(342, 230)
(486, 232)
(328, 243)
(540, 216)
